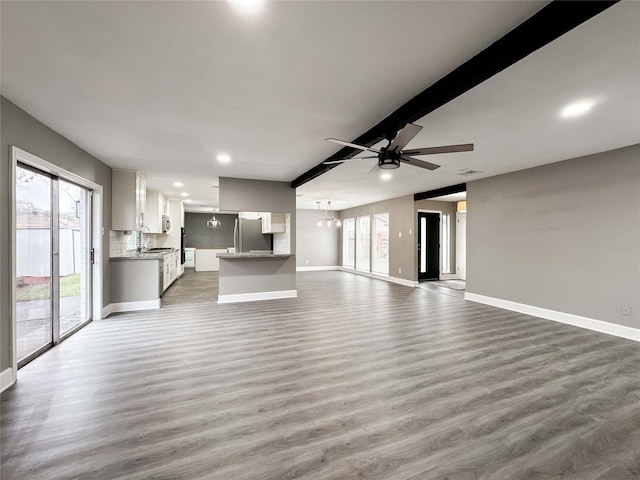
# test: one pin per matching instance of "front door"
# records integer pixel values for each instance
(428, 246)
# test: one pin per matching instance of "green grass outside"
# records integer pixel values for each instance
(69, 287)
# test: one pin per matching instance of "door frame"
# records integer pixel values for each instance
(417, 222)
(459, 244)
(19, 155)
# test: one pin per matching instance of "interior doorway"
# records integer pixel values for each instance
(52, 260)
(428, 246)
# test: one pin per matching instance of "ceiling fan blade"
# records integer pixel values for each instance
(352, 145)
(465, 147)
(404, 136)
(331, 162)
(418, 163)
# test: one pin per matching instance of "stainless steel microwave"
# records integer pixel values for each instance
(166, 224)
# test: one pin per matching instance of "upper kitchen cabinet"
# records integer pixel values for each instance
(273, 222)
(128, 200)
(156, 212)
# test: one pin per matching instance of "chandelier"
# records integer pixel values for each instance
(213, 222)
(327, 220)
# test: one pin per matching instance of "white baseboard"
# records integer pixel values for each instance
(317, 269)
(254, 297)
(568, 318)
(386, 278)
(106, 311)
(130, 307)
(6, 379)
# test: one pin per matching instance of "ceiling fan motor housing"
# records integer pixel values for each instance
(388, 161)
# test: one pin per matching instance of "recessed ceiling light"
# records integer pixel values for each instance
(576, 109)
(386, 176)
(184, 194)
(223, 158)
(187, 201)
(247, 7)
(177, 184)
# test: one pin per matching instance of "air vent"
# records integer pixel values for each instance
(467, 173)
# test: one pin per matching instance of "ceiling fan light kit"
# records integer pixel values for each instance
(388, 163)
(391, 156)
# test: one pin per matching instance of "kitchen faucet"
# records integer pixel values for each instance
(142, 245)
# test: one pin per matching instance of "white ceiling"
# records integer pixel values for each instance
(163, 87)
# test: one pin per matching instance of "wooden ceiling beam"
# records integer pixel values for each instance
(551, 22)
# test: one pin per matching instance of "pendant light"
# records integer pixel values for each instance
(214, 222)
(327, 220)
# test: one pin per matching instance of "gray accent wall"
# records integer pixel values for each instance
(402, 249)
(198, 235)
(316, 246)
(564, 236)
(23, 131)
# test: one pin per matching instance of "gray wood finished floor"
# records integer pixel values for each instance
(192, 287)
(355, 379)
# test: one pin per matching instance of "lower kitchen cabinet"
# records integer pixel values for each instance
(170, 269)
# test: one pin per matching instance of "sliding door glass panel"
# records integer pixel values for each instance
(348, 243)
(363, 244)
(74, 253)
(33, 262)
(381, 243)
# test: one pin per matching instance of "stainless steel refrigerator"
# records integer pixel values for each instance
(248, 236)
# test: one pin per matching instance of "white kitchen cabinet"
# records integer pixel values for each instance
(273, 222)
(170, 269)
(128, 200)
(156, 206)
(190, 257)
(249, 215)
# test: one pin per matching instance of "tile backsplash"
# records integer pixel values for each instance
(121, 243)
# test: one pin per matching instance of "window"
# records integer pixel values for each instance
(363, 244)
(348, 242)
(131, 240)
(446, 242)
(380, 244)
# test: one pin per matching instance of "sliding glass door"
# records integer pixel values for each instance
(34, 236)
(75, 249)
(53, 264)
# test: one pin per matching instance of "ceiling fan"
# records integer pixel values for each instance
(393, 155)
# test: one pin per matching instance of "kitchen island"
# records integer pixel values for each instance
(251, 276)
